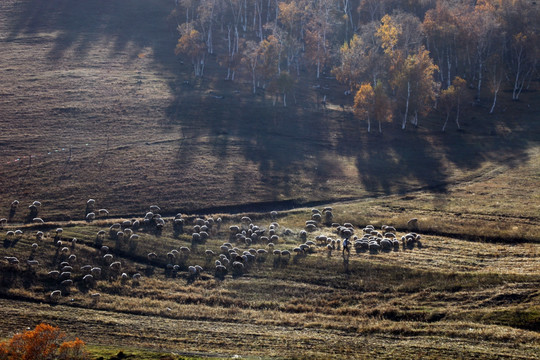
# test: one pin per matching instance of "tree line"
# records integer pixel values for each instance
(400, 58)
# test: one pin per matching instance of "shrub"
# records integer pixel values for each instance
(42, 343)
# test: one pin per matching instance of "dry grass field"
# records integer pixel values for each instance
(448, 298)
(94, 104)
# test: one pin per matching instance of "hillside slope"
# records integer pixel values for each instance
(94, 104)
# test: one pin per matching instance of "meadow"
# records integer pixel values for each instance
(94, 104)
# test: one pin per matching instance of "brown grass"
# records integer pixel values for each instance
(473, 295)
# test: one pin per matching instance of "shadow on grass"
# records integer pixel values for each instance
(294, 149)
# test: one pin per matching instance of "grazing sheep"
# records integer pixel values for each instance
(116, 266)
(311, 227)
(31, 263)
(88, 280)
(66, 283)
(386, 244)
(185, 250)
(39, 235)
(154, 208)
(86, 269)
(37, 220)
(374, 247)
(54, 274)
(136, 276)
(96, 271)
(55, 295)
(34, 246)
(221, 271)
(90, 217)
(412, 224)
(18, 234)
(65, 275)
(95, 298)
(245, 219)
(67, 268)
(103, 212)
(107, 258)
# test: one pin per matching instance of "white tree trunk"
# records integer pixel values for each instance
(404, 122)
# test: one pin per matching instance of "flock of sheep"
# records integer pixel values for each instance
(245, 245)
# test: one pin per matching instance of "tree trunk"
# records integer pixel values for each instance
(457, 114)
(445, 122)
(494, 101)
(404, 123)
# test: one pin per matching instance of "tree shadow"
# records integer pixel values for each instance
(288, 145)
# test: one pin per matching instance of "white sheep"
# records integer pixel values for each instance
(55, 295)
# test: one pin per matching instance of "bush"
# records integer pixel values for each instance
(42, 343)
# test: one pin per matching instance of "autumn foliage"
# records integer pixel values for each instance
(42, 343)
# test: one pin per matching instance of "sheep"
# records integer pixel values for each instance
(65, 275)
(38, 220)
(192, 270)
(31, 263)
(10, 234)
(245, 219)
(103, 212)
(67, 268)
(66, 283)
(104, 249)
(86, 268)
(55, 295)
(221, 271)
(374, 247)
(39, 235)
(73, 243)
(328, 217)
(34, 246)
(311, 227)
(95, 271)
(18, 234)
(107, 258)
(316, 217)
(412, 224)
(273, 215)
(115, 266)
(209, 253)
(386, 244)
(54, 274)
(136, 276)
(90, 217)
(88, 280)
(154, 208)
(185, 250)
(95, 298)
(14, 204)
